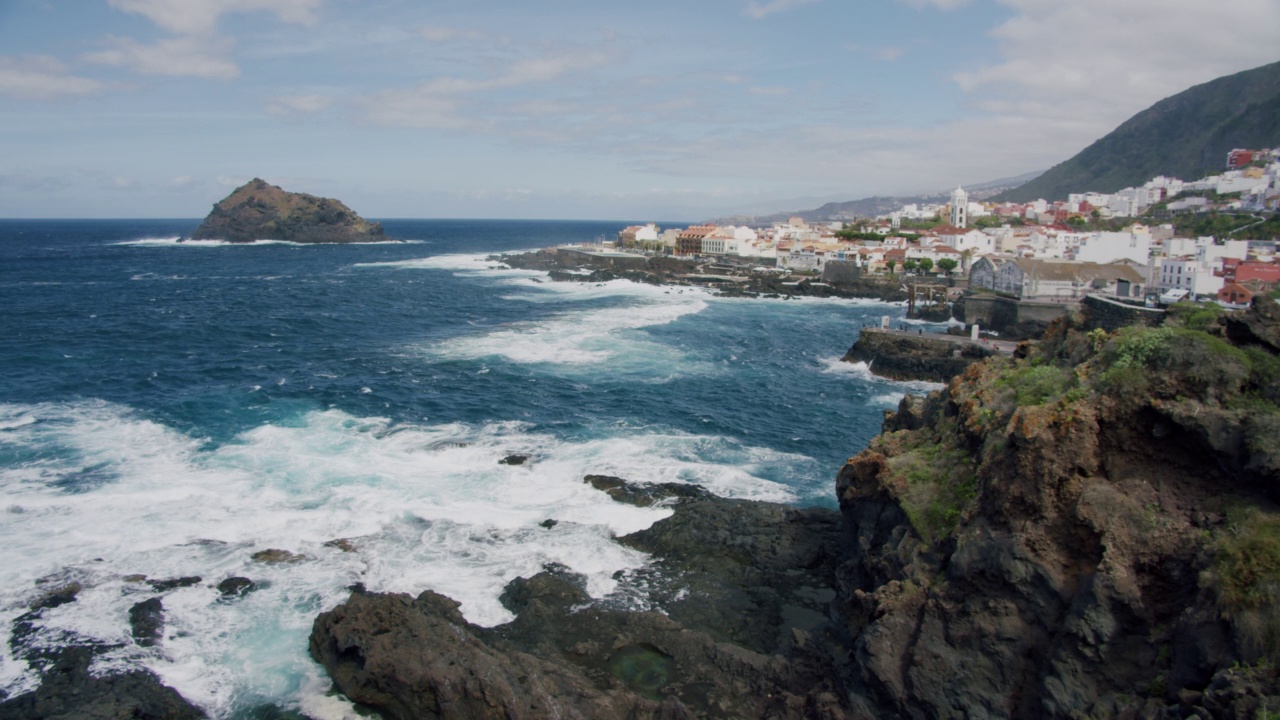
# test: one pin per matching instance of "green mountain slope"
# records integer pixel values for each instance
(1186, 136)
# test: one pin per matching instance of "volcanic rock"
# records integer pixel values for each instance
(737, 629)
(146, 620)
(260, 211)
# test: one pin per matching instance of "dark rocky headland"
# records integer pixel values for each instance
(258, 210)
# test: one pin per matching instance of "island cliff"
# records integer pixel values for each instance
(1085, 530)
(260, 211)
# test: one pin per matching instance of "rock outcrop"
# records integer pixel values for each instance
(728, 621)
(260, 211)
(899, 356)
(1082, 533)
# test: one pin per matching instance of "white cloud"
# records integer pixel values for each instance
(42, 78)
(185, 56)
(772, 91)
(442, 102)
(201, 16)
(181, 182)
(940, 4)
(286, 105)
(445, 35)
(756, 10)
(1119, 58)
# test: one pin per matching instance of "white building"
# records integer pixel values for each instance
(1105, 247)
(960, 208)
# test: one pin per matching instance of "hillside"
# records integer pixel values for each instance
(875, 206)
(258, 210)
(1186, 136)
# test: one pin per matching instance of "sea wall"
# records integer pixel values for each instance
(1111, 315)
(999, 313)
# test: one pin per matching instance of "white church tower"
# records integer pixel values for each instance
(960, 208)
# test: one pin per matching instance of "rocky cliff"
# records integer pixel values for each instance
(1085, 531)
(260, 211)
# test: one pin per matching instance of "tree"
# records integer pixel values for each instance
(1076, 221)
(890, 263)
(909, 264)
(926, 265)
(946, 265)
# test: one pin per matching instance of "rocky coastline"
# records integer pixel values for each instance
(1088, 529)
(1030, 542)
(725, 281)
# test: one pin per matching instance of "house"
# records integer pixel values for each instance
(1029, 278)
(636, 234)
(1234, 293)
(982, 274)
(689, 242)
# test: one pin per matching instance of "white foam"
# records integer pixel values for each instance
(861, 371)
(179, 241)
(581, 338)
(95, 493)
(472, 262)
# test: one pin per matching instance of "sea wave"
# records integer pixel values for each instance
(99, 495)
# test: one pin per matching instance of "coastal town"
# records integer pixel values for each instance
(1040, 258)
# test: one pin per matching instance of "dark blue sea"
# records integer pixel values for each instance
(168, 409)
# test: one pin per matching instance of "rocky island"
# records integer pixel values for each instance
(258, 210)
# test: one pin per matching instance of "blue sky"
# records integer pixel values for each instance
(575, 109)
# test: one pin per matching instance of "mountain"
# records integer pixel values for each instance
(1186, 136)
(258, 210)
(877, 205)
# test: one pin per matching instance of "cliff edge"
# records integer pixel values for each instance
(258, 210)
(1088, 531)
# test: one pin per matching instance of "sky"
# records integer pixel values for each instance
(671, 110)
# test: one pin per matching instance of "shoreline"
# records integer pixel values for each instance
(567, 265)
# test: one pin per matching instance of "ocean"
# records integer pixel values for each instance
(168, 409)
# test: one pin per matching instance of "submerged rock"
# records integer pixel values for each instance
(276, 556)
(174, 583)
(236, 587)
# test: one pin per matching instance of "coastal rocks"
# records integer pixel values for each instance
(260, 211)
(729, 621)
(69, 690)
(1030, 546)
(901, 356)
(236, 587)
(146, 621)
(276, 556)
